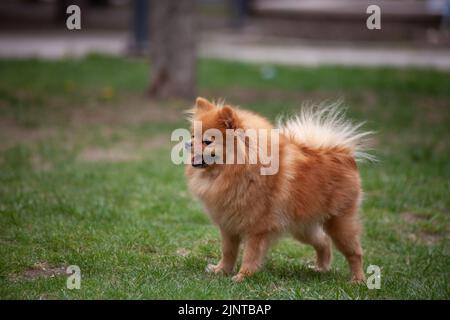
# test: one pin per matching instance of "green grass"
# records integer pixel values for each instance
(86, 179)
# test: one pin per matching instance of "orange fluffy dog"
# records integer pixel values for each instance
(314, 195)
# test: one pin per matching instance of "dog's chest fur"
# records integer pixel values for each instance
(233, 202)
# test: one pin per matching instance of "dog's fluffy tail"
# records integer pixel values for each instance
(325, 127)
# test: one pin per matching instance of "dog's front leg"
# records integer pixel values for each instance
(254, 252)
(230, 250)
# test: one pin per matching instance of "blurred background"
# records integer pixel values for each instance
(295, 32)
(86, 117)
(302, 32)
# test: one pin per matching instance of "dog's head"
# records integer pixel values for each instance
(209, 125)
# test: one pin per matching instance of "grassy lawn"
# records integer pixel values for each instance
(86, 179)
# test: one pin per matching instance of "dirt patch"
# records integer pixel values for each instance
(12, 134)
(71, 119)
(108, 155)
(434, 110)
(39, 164)
(41, 270)
(412, 218)
(156, 142)
(131, 111)
(183, 252)
(124, 151)
(427, 238)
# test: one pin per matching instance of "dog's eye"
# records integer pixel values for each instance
(207, 142)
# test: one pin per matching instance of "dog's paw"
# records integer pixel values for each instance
(216, 268)
(238, 278)
(321, 269)
(318, 268)
(358, 280)
(212, 268)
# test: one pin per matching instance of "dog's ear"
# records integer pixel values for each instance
(203, 105)
(228, 117)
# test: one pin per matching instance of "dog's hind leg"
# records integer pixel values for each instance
(345, 231)
(314, 235)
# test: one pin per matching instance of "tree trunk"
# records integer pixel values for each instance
(172, 46)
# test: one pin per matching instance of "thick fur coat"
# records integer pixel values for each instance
(314, 196)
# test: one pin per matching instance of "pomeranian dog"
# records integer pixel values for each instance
(314, 195)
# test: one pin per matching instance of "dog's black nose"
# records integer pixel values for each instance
(200, 165)
(198, 162)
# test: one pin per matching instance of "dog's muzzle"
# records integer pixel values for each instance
(198, 162)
